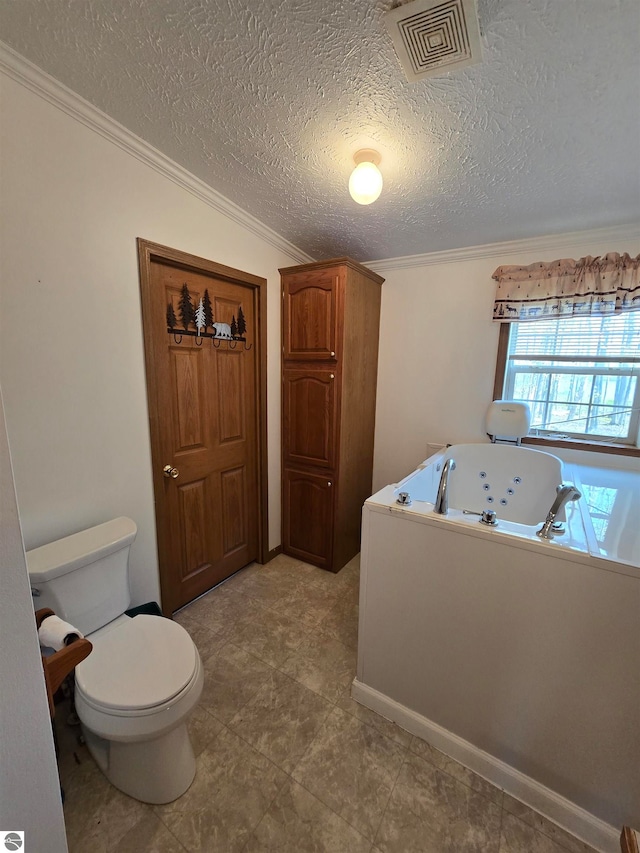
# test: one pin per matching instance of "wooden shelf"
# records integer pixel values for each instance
(58, 665)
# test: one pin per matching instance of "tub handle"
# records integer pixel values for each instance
(487, 516)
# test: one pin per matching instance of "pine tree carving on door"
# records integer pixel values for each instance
(196, 318)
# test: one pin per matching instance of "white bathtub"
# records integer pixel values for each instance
(517, 483)
(517, 656)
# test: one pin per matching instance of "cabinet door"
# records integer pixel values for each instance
(309, 417)
(309, 316)
(308, 517)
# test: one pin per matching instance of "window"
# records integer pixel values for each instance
(580, 376)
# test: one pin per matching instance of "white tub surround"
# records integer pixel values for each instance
(516, 656)
(610, 509)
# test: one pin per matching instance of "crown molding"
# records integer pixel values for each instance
(51, 90)
(629, 233)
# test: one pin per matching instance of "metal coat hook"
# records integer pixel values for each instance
(199, 313)
(232, 343)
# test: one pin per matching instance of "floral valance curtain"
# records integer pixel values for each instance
(566, 288)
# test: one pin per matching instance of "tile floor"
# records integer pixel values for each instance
(287, 761)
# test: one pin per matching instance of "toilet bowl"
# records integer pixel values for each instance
(138, 687)
(134, 705)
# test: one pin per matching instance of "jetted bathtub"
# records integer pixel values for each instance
(517, 656)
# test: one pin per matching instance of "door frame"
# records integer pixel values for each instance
(149, 252)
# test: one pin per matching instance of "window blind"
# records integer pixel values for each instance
(579, 375)
(585, 338)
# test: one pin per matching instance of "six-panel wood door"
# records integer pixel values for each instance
(308, 501)
(204, 425)
(309, 316)
(309, 417)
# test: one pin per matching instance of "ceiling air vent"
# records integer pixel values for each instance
(432, 37)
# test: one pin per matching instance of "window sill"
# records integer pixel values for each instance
(577, 444)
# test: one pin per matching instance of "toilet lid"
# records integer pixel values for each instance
(141, 663)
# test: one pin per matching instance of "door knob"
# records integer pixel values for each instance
(168, 471)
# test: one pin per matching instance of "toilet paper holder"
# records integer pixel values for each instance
(58, 665)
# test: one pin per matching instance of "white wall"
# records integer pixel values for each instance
(29, 786)
(438, 343)
(72, 356)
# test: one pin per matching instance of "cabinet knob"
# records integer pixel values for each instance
(332, 354)
(331, 376)
(328, 482)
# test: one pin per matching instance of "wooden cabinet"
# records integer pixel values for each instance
(309, 417)
(307, 516)
(330, 326)
(309, 315)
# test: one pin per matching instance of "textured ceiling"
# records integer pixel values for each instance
(267, 101)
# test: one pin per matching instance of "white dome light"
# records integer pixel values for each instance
(365, 183)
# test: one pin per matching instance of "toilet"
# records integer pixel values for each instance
(138, 687)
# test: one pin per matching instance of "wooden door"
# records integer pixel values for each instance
(307, 516)
(309, 417)
(205, 408)
(309, 315)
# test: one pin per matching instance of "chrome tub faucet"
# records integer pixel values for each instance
(441, 505)
(565, 493)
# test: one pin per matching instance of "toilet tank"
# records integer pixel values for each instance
(84, 578)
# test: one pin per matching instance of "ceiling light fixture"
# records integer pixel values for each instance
(365, 183)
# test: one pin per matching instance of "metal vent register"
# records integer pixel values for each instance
(432, 37)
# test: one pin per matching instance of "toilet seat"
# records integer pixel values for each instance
(140, 667)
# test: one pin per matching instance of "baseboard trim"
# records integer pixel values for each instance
(566, 814)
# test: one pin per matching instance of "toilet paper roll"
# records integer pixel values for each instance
(54, 631)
